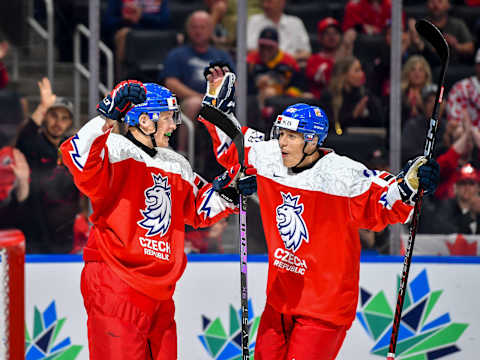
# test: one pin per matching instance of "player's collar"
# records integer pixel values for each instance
(148, 150)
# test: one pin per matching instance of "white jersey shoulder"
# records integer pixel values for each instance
(332, 174)
(120, 148)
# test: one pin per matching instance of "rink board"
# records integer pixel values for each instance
(211, 284)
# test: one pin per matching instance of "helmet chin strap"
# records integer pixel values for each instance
(304, 155)
(152, 135)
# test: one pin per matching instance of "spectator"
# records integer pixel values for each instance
(415, 127)
(15, 176)
(53, 202)
(460, 214)
(124, 15)
(271, 72)
(416, 74)
(224, 17)
(14, 187)
(462, 141)
(366, 16)
(455, 30)
(4, 46)
(465, 95)
(293, 35)
(334, 46)
(183, 74)
(347, 102)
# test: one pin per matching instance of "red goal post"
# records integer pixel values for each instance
(12, 294)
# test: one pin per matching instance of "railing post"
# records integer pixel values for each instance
(76, 77)
(50, 41)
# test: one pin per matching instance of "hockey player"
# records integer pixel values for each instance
(142, 194)
(313, 202)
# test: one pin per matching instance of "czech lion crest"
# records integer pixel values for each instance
(290, 223)
(158, 207)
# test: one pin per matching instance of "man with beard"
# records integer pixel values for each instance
(50, 210)
(456, 33)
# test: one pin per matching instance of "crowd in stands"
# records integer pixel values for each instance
(333, 54)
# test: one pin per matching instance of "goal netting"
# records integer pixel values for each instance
(12, 308)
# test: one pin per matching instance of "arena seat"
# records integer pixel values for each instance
(454, 73)
(310, 13)
(145, 51)
(11, 117)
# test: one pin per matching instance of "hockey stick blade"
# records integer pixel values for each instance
(434, 36)
(229, 125)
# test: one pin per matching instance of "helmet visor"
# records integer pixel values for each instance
(156, 116)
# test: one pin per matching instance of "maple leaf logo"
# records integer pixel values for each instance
(462, 247)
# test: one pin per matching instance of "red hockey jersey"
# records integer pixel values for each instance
(140, 206)
(311, 222)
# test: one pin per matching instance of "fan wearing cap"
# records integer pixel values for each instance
(54, 201)
(334, 45)
(313, 203)
(293, 34)
(270, 70)
(143, 194)
(461, 214)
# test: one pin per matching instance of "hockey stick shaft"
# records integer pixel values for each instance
(243, 276)
(434, 35)
(229, 127)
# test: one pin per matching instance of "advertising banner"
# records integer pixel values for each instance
(441, 317)
(445, 244)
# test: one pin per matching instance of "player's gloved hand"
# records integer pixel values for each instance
(418, 173)
(126, 94)
(220, 87)
(234, 182)
(247, 183)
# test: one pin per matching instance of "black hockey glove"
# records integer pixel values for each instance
(234, 182)
(221, 93)
(418, 173)
(221, 64)
(126, 94)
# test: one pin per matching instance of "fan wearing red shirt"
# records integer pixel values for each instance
(366, 16)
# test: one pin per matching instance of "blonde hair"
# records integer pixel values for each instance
(336, 86)
(408, 67)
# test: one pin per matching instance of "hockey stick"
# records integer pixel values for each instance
(433, 35)
(233, 130)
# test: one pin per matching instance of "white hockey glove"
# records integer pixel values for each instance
(418, 172)
(221, 91)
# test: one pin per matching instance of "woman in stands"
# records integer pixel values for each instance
(347, 101)
(416, 75)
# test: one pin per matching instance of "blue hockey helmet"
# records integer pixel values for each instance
(307, 119)
(159, 99)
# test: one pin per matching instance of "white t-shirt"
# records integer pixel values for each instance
(292, 34)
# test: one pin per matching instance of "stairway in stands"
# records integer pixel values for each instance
(32, 66)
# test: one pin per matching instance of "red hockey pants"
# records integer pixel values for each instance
(122, 322)
(285, 337)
